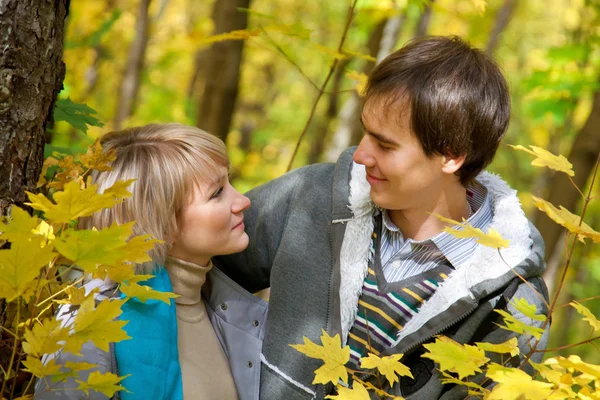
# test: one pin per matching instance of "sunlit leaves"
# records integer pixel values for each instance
(464, 230)
(389, 366)
(565, 218)
(465, 360)
(39, 370)
(357, 392)
(89, 248)
(75, 202)
(474, 389)
(514, 324)
(97, 159)
(79, 116)
(511, 346)
(107, 383)
(361, 81)
(20, 227)
(546, 159)
(480, 5)
(20, 265)
(242, 34)
(333, 355)
(97, 324)
(76, 296)
(588, 316)
(44, 337)
(514, 383)
(145, 293)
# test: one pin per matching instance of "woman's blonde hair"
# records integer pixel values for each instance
(166, 160)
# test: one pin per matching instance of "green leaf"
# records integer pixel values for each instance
(79, 116)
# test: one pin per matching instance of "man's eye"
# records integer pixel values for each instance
(383, 147)
(217, 193)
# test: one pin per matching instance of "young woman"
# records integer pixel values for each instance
(208, 345)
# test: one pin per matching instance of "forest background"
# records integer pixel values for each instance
(141, 61)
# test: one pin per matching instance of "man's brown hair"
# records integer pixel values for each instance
(458, 98)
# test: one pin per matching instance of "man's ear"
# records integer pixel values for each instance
(451, 164)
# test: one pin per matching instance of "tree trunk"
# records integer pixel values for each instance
(223, 70)
(502, 20)
(130, 84)
(31, 75)
(349, 129)
(424, 20)
(584, 153)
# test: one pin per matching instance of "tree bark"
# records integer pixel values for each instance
(31, 75)
(584, 152)
(130, 84)
(223, 70)
(424, 20)
(502, 20)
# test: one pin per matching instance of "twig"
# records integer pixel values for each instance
(568, 345)
(525, 282)
(577, 187)
(14, 350)
(578, 300)
(568, 263)
(324, 85)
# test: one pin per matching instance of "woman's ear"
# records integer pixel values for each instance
(451, 164)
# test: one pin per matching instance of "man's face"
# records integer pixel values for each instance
(400, 175)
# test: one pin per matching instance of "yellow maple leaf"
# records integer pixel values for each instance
(452, 356)
(360, 55)
(516, 384)
(357, 392)
(39, 370)
(76, 296)
(44, 337)
(361, 81)
(109, 246)
(474, 389)
(480, 5)
(241, 34)
(564, 217)
(515, 325)
(388, 366)
(68, 171)
(575, 362)
(97, 159)
(97, 324)
(464, 230)
(546, 159)
(48, 162)
(145, 293)
(510, 346)
(19, 227)
(75, 202)
(333, 355)
(46, 231)
(20, 266)
(72, 369)
(559, 376)
(527, 309)
(119, 272)
(589, 317)
(107, 383)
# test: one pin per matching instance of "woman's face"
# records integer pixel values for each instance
(212, 222)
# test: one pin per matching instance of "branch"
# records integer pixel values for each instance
(568, 346)
(324, 85)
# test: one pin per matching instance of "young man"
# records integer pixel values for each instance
(354, 248)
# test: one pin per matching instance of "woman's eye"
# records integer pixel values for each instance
(217, 193)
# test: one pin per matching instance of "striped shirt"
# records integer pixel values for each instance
(405, 258)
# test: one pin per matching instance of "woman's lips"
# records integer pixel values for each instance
(239, 226)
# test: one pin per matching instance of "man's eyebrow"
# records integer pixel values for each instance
(378, 136)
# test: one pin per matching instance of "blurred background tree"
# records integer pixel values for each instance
(142, 61)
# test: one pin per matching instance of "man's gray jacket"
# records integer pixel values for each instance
(310, 237)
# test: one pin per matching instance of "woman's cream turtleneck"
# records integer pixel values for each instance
(204, 367)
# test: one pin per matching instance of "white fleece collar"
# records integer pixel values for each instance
(485, 264)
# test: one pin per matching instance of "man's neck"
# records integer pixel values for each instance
(420, 223)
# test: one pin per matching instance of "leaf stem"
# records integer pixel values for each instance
(14, 350)
(568, 346)
(324, 85)
(577, 187)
